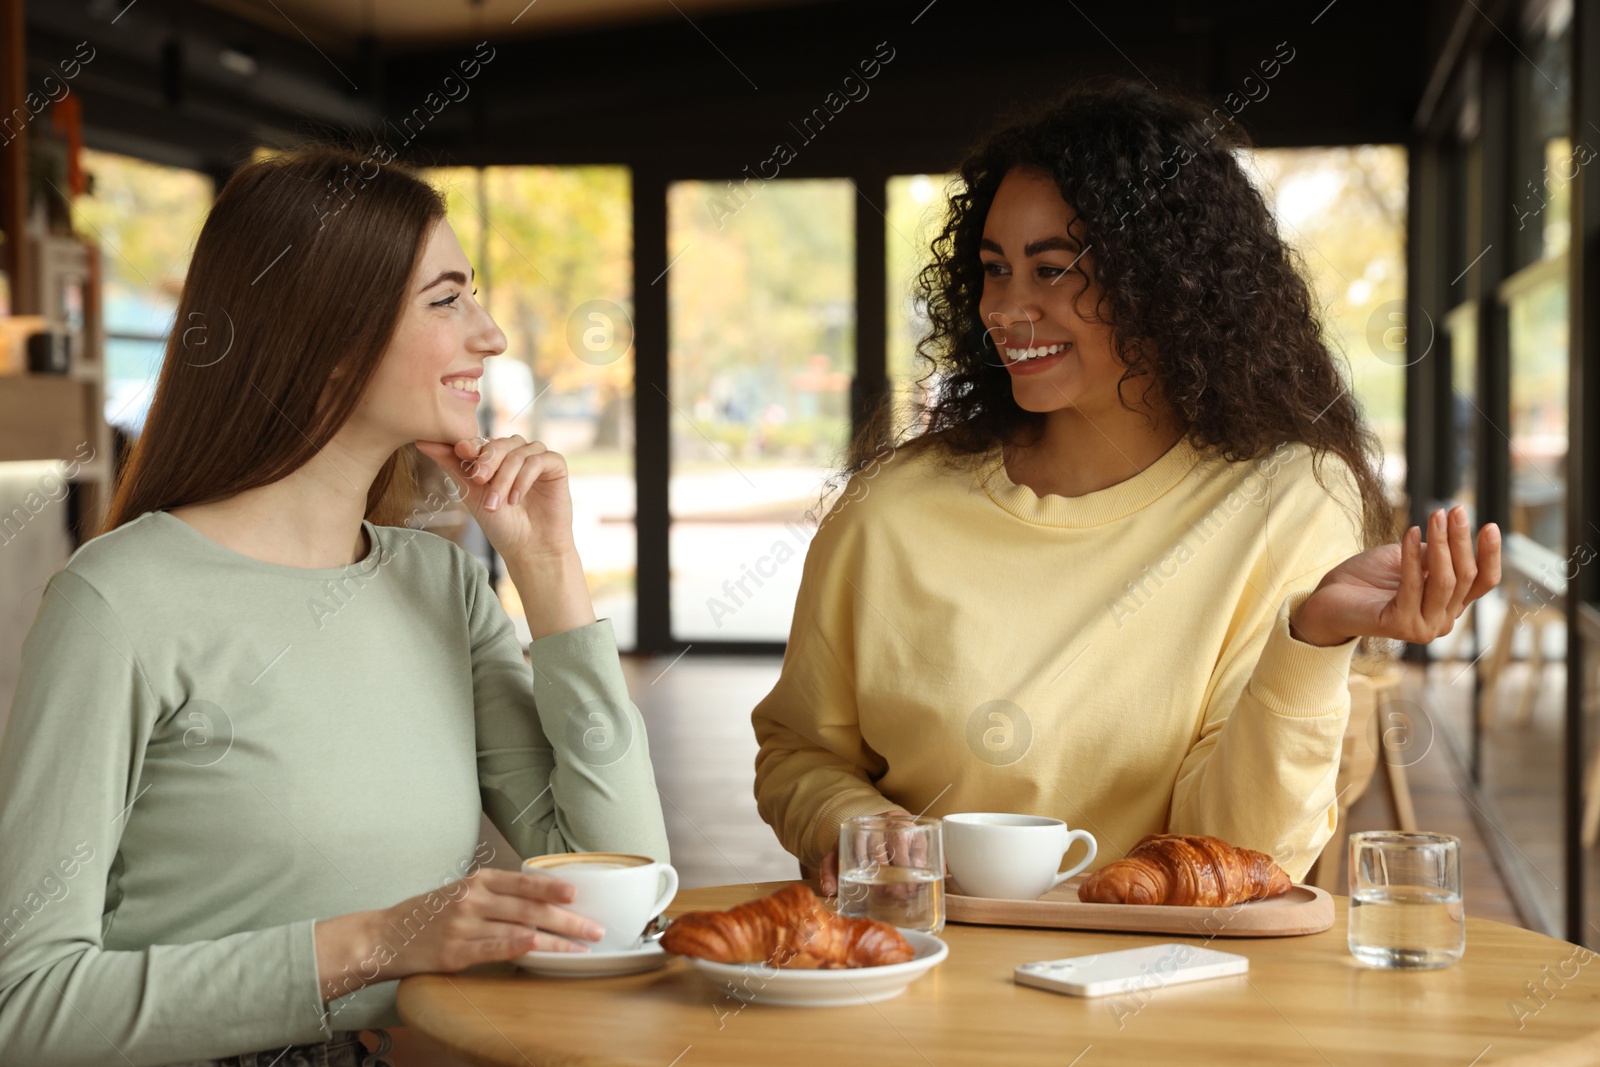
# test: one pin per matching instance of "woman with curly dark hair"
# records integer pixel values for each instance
(1119, 578)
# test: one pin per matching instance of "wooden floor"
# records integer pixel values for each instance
(1523, 784)
(697, 709)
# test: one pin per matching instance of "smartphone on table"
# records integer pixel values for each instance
(1130, 970)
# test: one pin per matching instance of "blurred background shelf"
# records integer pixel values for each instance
(47, 416)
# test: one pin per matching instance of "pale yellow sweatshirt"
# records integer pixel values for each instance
(1120, 660)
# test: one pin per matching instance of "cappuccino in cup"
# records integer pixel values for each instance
(621, 892)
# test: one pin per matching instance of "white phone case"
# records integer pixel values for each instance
(1133, 969)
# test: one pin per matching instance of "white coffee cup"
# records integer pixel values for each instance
(1012, 857)
(619, 891)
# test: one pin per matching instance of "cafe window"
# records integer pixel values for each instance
(1543, 162)
(1536, 307)
(1524, 728)
(761, 303)
(146, 218)
(1343, 210)
(553, 250)
(1535, 296)
(1456, 652)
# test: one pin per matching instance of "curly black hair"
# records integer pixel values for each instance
(1203, 296)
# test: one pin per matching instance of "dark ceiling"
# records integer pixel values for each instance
(706, 95)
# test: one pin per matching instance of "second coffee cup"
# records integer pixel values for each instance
(1011, 857)
(621, 892)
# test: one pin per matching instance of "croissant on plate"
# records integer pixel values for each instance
(789, 929)
(1192, 871)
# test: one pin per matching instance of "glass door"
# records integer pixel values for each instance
(761, 306)
(1523, 711)
(553, 251)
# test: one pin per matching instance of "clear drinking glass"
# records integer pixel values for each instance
(891, 868)
(1405, 899)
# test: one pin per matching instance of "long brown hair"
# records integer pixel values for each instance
(301, 267)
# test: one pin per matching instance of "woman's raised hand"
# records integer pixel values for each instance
(488, 916)
(1413, 591)
(516, 489)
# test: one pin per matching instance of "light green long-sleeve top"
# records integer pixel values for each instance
(207, 753)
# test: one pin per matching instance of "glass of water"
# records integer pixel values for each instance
(891, 868)
(1405, 899)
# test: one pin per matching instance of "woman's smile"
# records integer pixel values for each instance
(1035, 359)
(464, 384)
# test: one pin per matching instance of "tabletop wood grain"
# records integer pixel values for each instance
(1305, 1001)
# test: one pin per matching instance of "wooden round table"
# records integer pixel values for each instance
(1306, 1000)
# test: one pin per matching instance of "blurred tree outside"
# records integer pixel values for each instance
(761, 302)
(1343, 209)
(553, 251)
(556, 238)
(146, 218)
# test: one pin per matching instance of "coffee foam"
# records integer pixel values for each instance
(597, 861)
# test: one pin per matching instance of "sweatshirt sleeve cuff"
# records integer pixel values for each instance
(1297, 679)
(824, 835)
(582, 661)
(593, 641)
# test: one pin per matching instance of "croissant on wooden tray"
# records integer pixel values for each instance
(789, 929)
(1191, 871)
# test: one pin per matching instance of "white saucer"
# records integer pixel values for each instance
(647, 957)
(764, 984)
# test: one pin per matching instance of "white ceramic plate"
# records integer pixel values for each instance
(595, 964)
(762, 984)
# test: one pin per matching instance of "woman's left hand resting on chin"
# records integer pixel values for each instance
(518, 492)
(1413, 591)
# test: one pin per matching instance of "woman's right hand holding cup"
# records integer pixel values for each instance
(488, 916)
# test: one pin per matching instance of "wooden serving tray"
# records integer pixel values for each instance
(1304, 909)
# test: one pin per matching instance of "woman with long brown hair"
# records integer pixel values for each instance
(260, 715)
(1120, 577)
